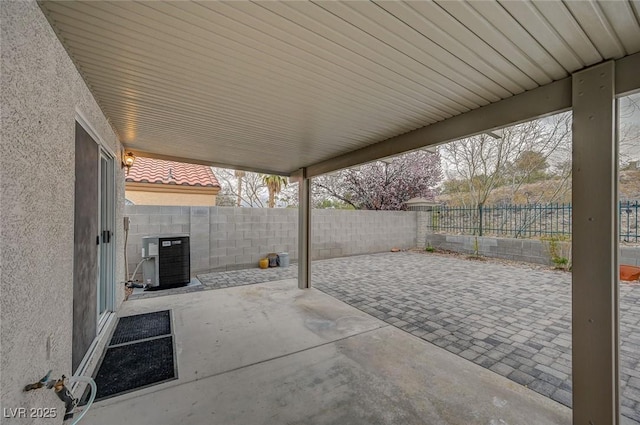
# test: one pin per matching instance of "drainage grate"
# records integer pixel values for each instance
(134, 366)
(141, 326)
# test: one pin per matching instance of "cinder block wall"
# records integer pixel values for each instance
(527, 250)
(227, 238)
(424, 224)
(337, 233)
(630, 255)
(239, 237)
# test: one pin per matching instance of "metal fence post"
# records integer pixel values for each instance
(480, 219)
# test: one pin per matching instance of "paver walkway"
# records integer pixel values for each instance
(512, 319)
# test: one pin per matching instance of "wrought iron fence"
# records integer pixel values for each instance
(628, 221)
(525, 221)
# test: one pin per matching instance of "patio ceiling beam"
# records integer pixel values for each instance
(522, 107)
(545, 100)
(188, 160)
(627, 75)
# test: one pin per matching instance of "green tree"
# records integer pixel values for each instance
(531, 166)
(330, 203)
(247, 187)
(274, 184)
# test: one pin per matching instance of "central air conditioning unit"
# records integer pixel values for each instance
(168, 260)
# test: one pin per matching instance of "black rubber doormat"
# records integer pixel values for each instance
(133, 366)
(141, 326)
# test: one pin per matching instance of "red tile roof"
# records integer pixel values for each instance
(148, 170)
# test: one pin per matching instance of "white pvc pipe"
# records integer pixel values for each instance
(126, 262)
(94, 389)
(137, 267)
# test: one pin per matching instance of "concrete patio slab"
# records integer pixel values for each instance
(514, 319)
(224, 330)
(272, 354)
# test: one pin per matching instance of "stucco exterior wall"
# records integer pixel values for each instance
(41, 94)
(139, 197)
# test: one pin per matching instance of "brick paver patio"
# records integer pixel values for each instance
(512, 319)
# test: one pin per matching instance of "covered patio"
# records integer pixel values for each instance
(298, 89)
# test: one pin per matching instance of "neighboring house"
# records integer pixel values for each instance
(159, 182)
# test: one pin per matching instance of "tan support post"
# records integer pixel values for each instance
(304, 229)
(595, 247)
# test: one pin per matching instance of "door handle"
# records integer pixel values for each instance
(108, 236)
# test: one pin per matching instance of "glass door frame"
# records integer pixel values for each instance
(106, 251)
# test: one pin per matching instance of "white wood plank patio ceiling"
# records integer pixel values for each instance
(282, 85)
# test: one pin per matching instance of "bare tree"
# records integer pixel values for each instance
(629, 128)
(289, 195)
(251, 193)
(239, 174)
(517, 155)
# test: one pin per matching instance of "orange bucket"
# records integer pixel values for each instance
(264, 263)
(629, 273)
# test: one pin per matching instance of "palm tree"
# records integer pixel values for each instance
(274, 183)
(239, 175)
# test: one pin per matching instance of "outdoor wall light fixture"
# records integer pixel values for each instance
(127, 160)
